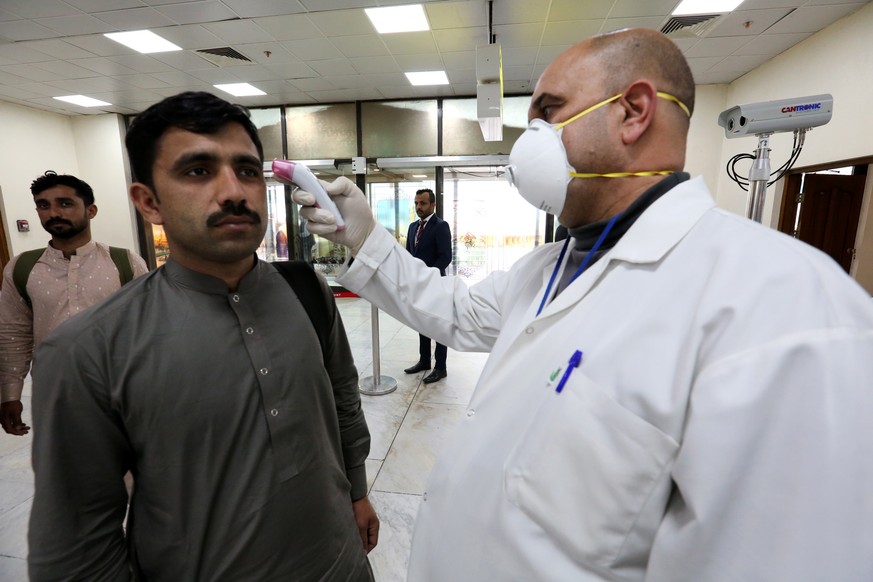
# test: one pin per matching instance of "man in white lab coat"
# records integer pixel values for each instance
(679, 394)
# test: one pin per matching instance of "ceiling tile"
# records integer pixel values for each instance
(315, 49)
(257, 52)
(238, 31)
(635, 8)
(613, 24)
(547, 54)
(517, 35)
(519, 56)
(190, 36)
(76, 25)
(182, 60)
(407, 43)
(703, 64)
(812, 18)
(197, 12)
(747, 22)
(253, 8)
(343, 23)
(214, 76)
(312, 84)
(38, 9)
(518, 87)
(7, 78)
(134, 18)
(372, 65)
(60, 49)
(17, 30)
(31, 73)
(713, 47)
(104, 66)
(422, 62)
(103, 5)
(456, 14)
(292, 27)
(332, 67)
(771, 44)
(519, 11)
(460, 60)
(518, 73)
(343, 95)
(252, 73)
(143, 63)
(460, 39)
(739, 64)
(568, 33)
(6, 16)
(462, 76)
(324, 5)
(65, 70)
(178, 78)
(99, 45)
(374, 80)
(143, 81)
(293, 70)
(579, 9)
(368, 45)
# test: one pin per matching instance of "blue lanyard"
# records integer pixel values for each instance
(588, 258)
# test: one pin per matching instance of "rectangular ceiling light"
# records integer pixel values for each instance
(410, 18)
(687, 7)
(144, 41)
(428, 78)
(82, 101)
(240, 89)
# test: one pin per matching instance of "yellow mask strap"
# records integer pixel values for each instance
(669, 97)
(587, 111)
(620, 174)
(660, 94)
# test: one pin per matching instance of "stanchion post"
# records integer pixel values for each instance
(376, 384)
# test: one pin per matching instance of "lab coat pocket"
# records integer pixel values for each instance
(588, 471)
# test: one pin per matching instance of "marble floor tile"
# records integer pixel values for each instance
(13, 569)
(419, 440)
(396, 513)
(13, 534)
(373, 467)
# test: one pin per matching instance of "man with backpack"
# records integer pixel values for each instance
(44, 287)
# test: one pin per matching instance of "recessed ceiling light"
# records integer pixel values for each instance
(240, 89)
(82, 101)
(428, 78)
(419, 175)
(144, 41)
(687, 7)
(390, 19)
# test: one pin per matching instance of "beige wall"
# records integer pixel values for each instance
(89, 147)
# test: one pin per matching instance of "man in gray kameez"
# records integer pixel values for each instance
(207, 381)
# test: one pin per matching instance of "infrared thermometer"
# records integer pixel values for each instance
(300, 175)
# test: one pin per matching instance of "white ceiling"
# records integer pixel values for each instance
(317, 51)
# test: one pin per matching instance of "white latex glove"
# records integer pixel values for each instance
(352, 205)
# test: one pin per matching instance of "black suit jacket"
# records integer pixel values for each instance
(435, 245)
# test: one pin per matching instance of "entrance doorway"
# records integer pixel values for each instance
(823, 210)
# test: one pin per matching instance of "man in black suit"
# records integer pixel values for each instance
(430, 240)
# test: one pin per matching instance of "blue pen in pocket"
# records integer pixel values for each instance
(574, 362)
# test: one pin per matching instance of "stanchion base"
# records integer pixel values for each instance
(368, 385)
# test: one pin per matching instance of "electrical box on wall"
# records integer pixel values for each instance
(23, 226)
(359, 165)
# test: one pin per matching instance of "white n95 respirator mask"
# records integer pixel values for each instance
(539, 168)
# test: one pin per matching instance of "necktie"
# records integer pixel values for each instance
(418, 232)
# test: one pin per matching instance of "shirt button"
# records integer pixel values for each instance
(250, 330)
(274, 412)
(424, 497)
(264, 371)
(235, 298)
(529, 330)
(471, 412)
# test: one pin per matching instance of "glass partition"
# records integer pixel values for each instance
(492, 225)
(393, 129)
(269, 124)
(461, 133)
(318, 132)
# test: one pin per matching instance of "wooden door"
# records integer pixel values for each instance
(830, 207)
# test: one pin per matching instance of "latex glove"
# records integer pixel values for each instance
(352, 205)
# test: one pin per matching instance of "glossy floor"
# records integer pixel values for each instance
(408, 427)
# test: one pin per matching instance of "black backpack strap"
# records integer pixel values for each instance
(21, 272)
(121, 258)
(305, 284)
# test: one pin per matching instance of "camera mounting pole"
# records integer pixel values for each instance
(758, 177)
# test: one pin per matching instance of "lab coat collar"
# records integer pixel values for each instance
(650, 238)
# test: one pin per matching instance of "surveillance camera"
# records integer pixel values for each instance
(776, 116)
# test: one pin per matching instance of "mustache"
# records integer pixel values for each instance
(54, 221)
(232, 209)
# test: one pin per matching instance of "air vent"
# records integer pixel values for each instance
(687, 26)
(223, 56)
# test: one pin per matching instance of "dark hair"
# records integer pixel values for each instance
(429, 193)
(51, 179)
(194, 111)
